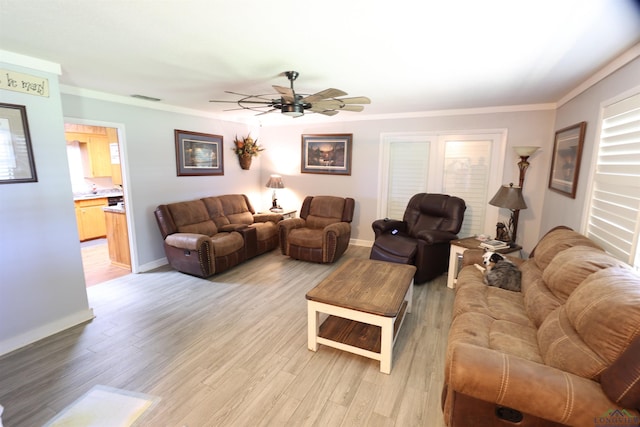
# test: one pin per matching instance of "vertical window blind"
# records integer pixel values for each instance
(614, 216)
(408, 174)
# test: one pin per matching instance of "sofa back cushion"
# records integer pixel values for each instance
(192, 217)
(557, 241)
(215, 210)
(598, 322)
(570, 267)
(539, 301)
(324, 210)
(237, 208)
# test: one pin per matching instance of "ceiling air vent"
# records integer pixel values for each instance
(146, 98)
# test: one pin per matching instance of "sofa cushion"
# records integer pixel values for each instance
(504, 336)
(557, 241)
(570, 267)
(325, 210)
(192, 217)
(598, 321)
(265, 230)
(472, 295)
(305, 237)
(216, 213)
(236, 209)
(226, 243)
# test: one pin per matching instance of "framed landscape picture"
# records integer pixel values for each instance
(326, 154)
(16, 156)
(565, 163)
(198, 153)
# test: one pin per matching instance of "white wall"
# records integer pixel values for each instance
(557, 208)
(524, 128)
(42, 287)
(150, 158)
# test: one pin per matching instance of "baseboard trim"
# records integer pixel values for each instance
(14, 343)
(152, 265)
(360, 242)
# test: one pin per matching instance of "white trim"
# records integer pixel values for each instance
(128, 100)
(603, 73)
(30, 62)
(44, 331)
(126, 188)
(596, 149)
(498, 154)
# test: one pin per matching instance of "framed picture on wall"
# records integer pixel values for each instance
(326, 154)
(198, 153)
(565, 164)
(16, 156)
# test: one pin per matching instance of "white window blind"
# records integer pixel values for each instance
(614, 217)
(408, 174)
(464, 165)
(466, 175)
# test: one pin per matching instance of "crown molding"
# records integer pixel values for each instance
(604, 72)
(30, 62)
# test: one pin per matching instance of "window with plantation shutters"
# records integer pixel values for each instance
(468, 166)
(614, 215)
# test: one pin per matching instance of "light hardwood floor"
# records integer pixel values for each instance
(97, 265)
(231, 351)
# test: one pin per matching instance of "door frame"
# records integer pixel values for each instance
(126, 191)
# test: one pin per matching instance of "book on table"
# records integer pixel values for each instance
(494, 245)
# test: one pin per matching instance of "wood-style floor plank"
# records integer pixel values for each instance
(231, 350)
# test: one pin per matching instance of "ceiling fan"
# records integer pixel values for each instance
(292, 104)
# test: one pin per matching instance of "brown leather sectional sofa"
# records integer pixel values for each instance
(564, 351)
(210, 235)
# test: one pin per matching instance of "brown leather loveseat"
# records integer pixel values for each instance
(564, 351)
(210, 235)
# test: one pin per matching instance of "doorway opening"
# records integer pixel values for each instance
(95, 167)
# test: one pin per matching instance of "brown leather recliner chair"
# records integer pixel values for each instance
(422, 238)
(321, 233)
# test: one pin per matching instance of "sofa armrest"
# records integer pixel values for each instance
(526, 386)
(338, 228)
(190, 241)
(284, 227)
(381, 226)
(265, 217)
(472, 256)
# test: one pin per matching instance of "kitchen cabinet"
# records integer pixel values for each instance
(90, 218)
(118, 237)
(96, 157)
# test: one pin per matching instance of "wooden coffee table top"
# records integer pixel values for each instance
(375, 287)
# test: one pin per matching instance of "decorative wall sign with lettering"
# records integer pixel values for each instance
(24, 83)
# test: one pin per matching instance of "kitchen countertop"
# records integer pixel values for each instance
(114, 209)
(99, 195)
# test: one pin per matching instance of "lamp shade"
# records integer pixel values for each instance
(275, 181)
(525, 150)
(509, 197)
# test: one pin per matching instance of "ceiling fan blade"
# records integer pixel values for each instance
(327, 93)
(286, 92)
(327, 104)
(328, 112)
(352, 108)
(356, 100)
(322, 110)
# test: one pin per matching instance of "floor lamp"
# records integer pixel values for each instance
(510, 197)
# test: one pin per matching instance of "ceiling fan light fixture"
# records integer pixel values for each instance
(293, 110)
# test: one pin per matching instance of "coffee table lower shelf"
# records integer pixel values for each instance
(360, 338)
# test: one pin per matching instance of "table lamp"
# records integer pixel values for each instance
(275, 181)
(510, 197)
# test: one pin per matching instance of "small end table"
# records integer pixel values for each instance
(457, 249)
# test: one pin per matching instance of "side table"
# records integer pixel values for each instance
(457, 249)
